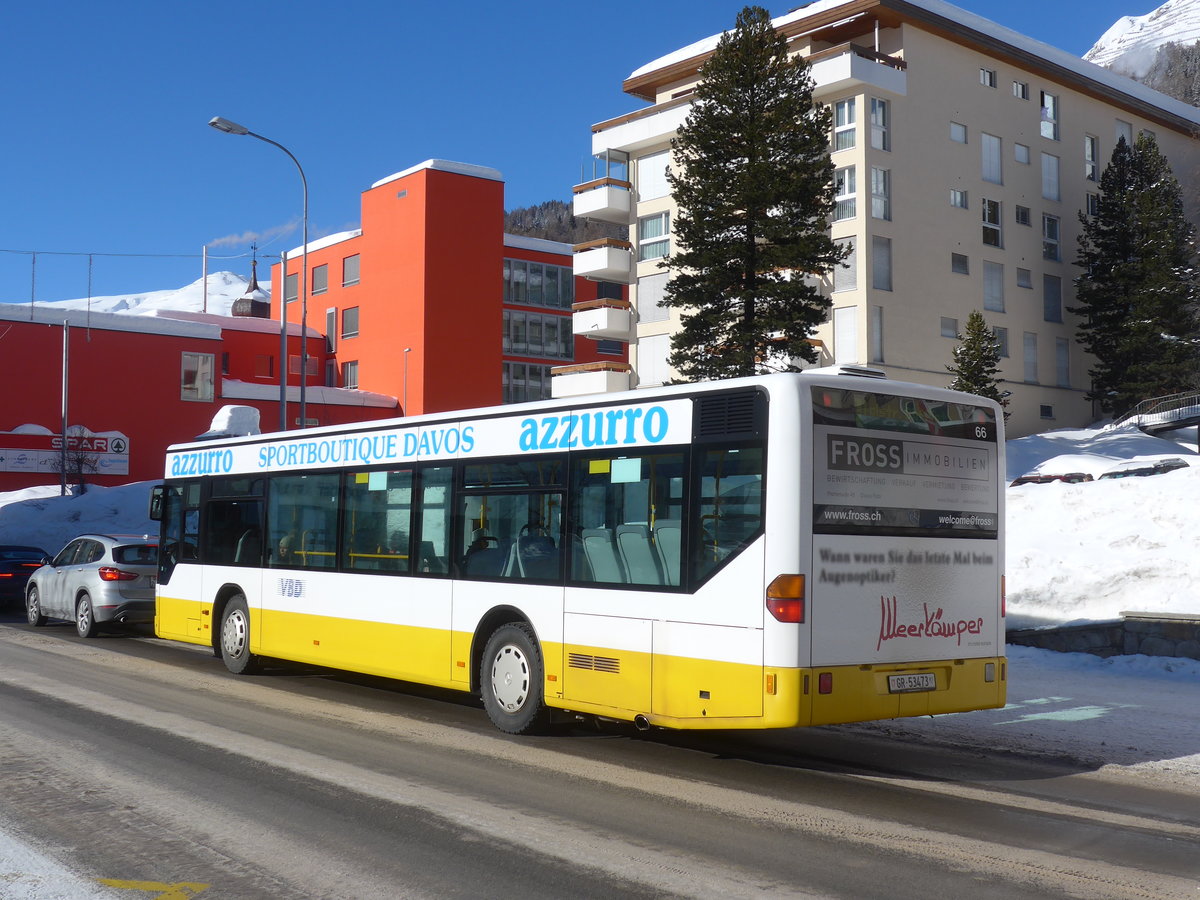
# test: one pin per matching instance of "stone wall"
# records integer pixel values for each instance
(1153, 634)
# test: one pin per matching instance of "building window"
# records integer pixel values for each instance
(987, 77)
(960, 264)
(1021, 154)
(993, 286)
(1124, 132)
(196, 379)
(1046, 411)
(312, 364)
(1021, 90)
(224, 363)
(845, 335)
(845, 190)
(1050, 181)
(1049, 116)
(845, 275)
(992, 233)
(1062, 362)
(522, 382)
(958, 133)
(1051, 245)
(320, 279)
(881, 193)
(1031, 366)
(843, 124)
(532, 334)
(1148, 133)
(881, 138)
(654, 236)
(350, 270)
(350, 375)
(1025, 278)
(264, 366)
(291, 287)
(331, 329)
(959, 199)
(877, 334)
(1051, 298)
(652, 353)
(652, 176)
(1023, 215)
(1092, 202)
(331, 373)
(881, 263)
(539, 284)
(1091, 157)
(990, 145)
(350, 322)
(651, 292)
(949, 327)
(1001, 336)
(609, 348)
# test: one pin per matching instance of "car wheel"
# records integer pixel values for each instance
(85, 618)
(235, 638)
(33, 608)
(511, 681)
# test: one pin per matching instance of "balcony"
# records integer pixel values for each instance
(642, 128)
(605, 199)
(603, 320)
(606, 259)
(849, 66)
(590, 378)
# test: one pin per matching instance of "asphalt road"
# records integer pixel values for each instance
(142, 762)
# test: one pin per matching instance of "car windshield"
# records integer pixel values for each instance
(136, 554)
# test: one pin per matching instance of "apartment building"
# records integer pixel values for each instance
(430, 302)
(963, 153)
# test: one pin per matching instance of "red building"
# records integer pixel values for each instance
(428, 307)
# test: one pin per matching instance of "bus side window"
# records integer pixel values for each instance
(730, 509)
(377, 527)
(437, 489)
(302, 521)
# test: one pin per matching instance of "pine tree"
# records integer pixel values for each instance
(1138, 295)
(977, 361)
(754, 186)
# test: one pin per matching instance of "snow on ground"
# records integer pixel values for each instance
(1075, 552)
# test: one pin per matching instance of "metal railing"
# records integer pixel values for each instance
(1160, 410)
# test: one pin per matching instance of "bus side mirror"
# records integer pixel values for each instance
(156, 502)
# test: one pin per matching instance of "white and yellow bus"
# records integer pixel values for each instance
(764, 552)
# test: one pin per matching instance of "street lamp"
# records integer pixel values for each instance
(234, 128)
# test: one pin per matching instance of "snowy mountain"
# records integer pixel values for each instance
(223, 289)
(1132, 44)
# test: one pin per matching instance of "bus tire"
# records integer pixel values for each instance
(512, 680)
(235, 638)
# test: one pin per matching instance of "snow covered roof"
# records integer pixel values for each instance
(82, 318)
(539, 245)
(445, 165)
(320, 243)
(232, 323)
(976, 28)
(232, 389)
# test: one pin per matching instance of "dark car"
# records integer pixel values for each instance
(96, 580)
(17, 563)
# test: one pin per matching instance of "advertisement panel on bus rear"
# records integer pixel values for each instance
(906, 508)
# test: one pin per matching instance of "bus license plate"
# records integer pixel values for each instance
(919, 681)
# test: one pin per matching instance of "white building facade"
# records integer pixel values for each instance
(964, 153)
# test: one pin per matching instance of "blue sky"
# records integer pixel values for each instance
(106, 149)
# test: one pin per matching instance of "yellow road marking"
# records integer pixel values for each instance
(179, 891)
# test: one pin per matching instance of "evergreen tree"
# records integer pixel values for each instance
(1138, 295)
(754, 190)
(977, 361)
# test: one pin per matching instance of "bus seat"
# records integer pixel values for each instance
(486, 562)
(249, 547)
(600, 548)
(637, 554)
(667, 542)
(536, 556)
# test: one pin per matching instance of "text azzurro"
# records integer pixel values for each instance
(598, 429)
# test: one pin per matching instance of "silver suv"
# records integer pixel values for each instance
(95, 580)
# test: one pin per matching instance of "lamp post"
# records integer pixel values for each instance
(407, 350)
(234, 128)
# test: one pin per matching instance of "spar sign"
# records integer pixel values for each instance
(106, 453)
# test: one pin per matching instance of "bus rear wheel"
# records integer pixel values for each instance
(512, 680)
(235, 638)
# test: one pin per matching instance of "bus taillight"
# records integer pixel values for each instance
(785, 598)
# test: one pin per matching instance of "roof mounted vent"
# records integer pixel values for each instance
(860, 371)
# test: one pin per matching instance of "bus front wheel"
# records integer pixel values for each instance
(235, 638)
(512, 681)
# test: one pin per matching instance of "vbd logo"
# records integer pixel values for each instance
(291, 587)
